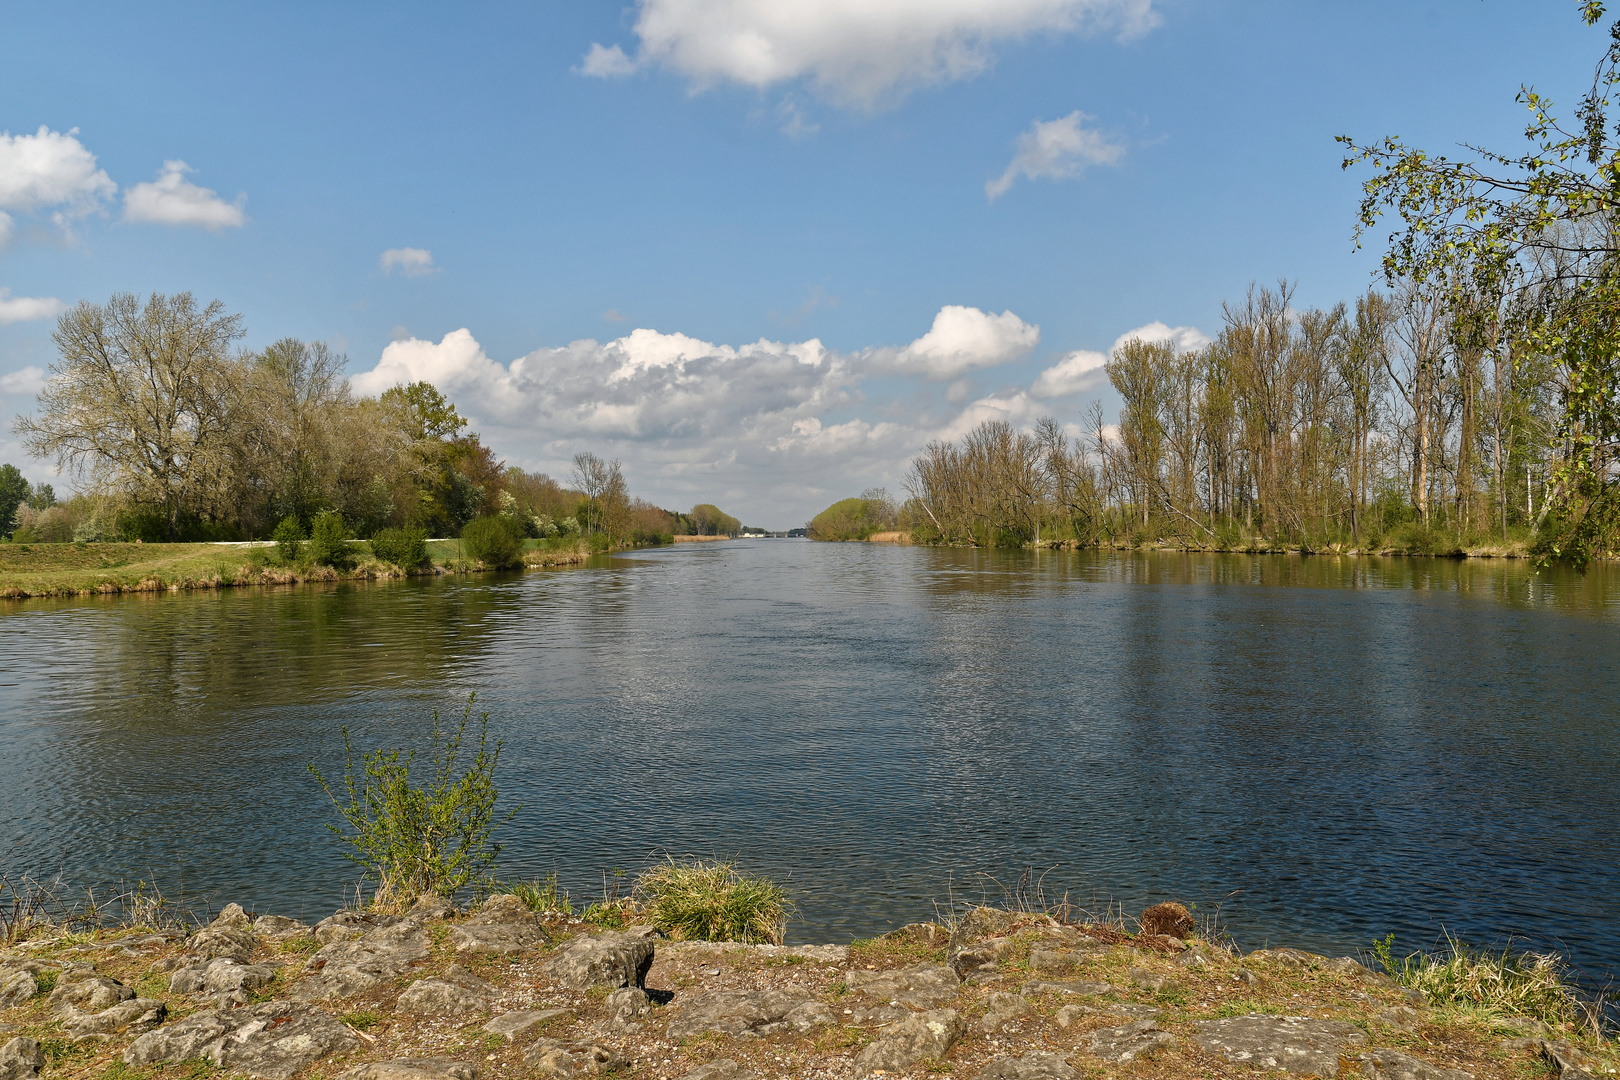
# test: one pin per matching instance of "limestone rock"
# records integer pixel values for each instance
(920, 985)
(611, 960)
(931, 935)
(232, 915)
(810, 1015)
(1130, 1041)
(550, 1058)
(1150, 980)
(348, 925)
(627, 1005)
(273, 1039)
(1297, 959)
(82, 990)
(979, 957)
(516, 1024)
(1349, 965)
(733, 1012)
(1400, 1017)
(431, 909)
(1394, 1065)
(136, 1014)
(1296, 1043)
(21, 1059)
(1571, 1061)
(17, 984)
(1193, 959)
(926, 1036)
(456, 992)
(347, 967)
(434, 1068)
(1084, 989)
(1053, 959)
(1002, 1010)
(220, 976)
(503, 925)
(721, 1069)
(1036, 1065)
(1168, 920)
(279, 928)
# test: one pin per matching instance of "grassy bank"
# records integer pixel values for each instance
(1511, 549)
(29, 570)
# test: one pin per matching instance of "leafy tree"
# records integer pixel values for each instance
(42, 497)
(329, 541)
(492, 542)
(143, 397)
(406, 548)
(13, 493)
(710, 520)
(1527, 246)
(289, 538)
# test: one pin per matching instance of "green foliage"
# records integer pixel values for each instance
(329, 541)
(712, 901)
(406, 548)
(1498, 984)
(537, 894)
(852, 519)
(491, 542)
(430, 839)
(289, 538)
(13, 491)
(364, 1020)
(710, 520)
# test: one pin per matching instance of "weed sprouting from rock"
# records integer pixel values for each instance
(432, 838)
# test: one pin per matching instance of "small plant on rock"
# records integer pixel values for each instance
(713, 901)
(433, 838)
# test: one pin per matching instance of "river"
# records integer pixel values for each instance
(1326, 749)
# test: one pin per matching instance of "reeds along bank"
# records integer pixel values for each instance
(1292, 428)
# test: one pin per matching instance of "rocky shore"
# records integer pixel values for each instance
(502, 992)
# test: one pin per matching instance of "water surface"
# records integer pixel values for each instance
(1330, 748)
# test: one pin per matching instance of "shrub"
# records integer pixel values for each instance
(488, 540)
(329, 541)
(712, 901)
(434, 839)
(289, 538)
(405, 548)
(1500, 984)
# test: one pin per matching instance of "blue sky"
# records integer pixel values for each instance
(752, 253)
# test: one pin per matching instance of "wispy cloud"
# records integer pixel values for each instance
(1055, 150)
(412, 262)
(15, 309)
(29, 380)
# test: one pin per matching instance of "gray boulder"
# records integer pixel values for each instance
(220, 977)
(1052, 959)
(553, 1059)
(455, 993)
(1385, 1064)
(82, 990)
(1150, 980)
(230, 935)
(273, 1039)
(1070, 1015)
(503, 925)
(1037, 1065)
(279, 928)
(920, 985)
(136, 1014)
(733, 1012)
(515, 1025)
(610, 960)
(1003, 1009)
(1128, 1042)
(926, 1036)
(721, 1069)
(347, 967)
(627, 1005)
(434, 1068)
(1298, 1044)
(809, 1015)
(1082, 989)
(21, 1059)
(17, 982)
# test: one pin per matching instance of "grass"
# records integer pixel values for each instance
(1494, 985)
(31, 908)
(538, 894)
(713, 901)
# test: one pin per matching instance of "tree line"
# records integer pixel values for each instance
(173, 433)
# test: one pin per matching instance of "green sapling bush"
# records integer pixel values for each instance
(329, 541)
(289, 538)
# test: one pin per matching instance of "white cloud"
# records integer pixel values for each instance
(856, 52)
(961, 339)
(30, 380)
(1016, 407)
(49, 170)
(1055, 150)
(171, 199)
(412, 262)
(1185, 338)
(1075, 373)
(15, 309)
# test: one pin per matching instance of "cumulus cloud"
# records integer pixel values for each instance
(856, 52)
(1016, 407)
(412, 262)
(961, 340)
(1055, 150)
(1185, 338)
(171, 199)
(30, 380)
(1075, 373)
(49, 170)
(14, 309)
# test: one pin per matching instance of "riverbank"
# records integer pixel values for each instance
(1510, 550)
(502, 990)
(60, 570)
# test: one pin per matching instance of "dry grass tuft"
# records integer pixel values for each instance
(713, 901)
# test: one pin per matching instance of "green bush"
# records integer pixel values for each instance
(434, 839)
(488, 540)
(329, 541)
(289, 538)
(712, 901)
(405, 548)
